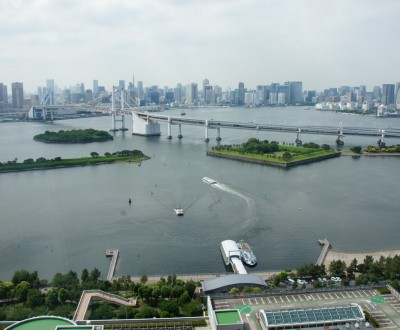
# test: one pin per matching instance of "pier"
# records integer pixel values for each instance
(114, 255)
(324, 251)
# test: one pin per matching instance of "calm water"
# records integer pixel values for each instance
(57, 220)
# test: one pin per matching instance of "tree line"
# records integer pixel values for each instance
(74, 136)
(26, 295)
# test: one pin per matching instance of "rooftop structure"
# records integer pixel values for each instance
(311, 317)
(225, 283)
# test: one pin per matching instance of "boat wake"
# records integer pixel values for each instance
(251, 215)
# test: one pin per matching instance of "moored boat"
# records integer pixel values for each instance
(247, 254)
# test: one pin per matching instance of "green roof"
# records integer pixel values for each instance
(228, 317)
(40, 323)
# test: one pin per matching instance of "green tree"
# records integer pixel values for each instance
(24, 275)
(337, 268)
(143, 279)
(184, 298)
(165, 291)
(286, 155)
(356, 149)
(62, 295)
(190, 287)
(94, 275)
(84, 275)
(51, 299)
(170, 306)
(234, 291)
(35, 298)
(326, 147)
(94, 154)
(104, 311)
(21, 291)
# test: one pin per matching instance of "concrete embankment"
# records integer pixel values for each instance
(271, 162)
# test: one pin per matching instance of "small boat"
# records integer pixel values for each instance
(183, 113)
(178, 211)
(247, 254)
(209, 181)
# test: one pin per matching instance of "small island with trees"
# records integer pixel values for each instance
(274, 154)
(74, 136)
(41, 163)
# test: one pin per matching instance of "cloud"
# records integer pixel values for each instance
(170, 41)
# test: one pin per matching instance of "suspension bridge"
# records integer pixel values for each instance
(145, 122)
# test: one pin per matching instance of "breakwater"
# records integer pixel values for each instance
(271, 162)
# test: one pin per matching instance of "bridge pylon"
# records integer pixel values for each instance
(298, 142)
(339, 140)
(206, 139)
(180, 136)
(114, 116)
(381, 141)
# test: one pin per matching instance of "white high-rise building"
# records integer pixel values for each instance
(191, 94)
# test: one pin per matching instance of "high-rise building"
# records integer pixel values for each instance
(377, 92)
(295, 92)
(95, 87)
(206, 82)
(140, 90)
(191, 93)
(388, 94)
(1, 96)
(17, 90)
(121, 84)
(177, 94)
(397, 95)
(50, 85)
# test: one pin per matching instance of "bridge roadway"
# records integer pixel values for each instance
(218, 124)
(319, 130)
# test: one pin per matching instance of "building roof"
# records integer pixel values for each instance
(41, 323)
(228, 317)
(300, 316)
(229, 280)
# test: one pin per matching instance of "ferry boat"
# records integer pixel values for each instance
(178, 211)
(247, 254)
(209, 181)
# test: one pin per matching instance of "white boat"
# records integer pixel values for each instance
(209, 181)
(178, 211)
(247, 254)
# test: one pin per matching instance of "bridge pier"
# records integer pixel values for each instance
(180, 132)
(206, 138)
(169, 136)
(218, 134)
(340, 136)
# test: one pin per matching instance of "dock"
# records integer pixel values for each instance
(324, 251)
(114, 257)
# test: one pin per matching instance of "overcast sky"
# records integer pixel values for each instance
(324, 43)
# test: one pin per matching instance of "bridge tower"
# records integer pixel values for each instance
(299, 143)
(381, 141)
(340, 135)
(115, 117)
(206, 137)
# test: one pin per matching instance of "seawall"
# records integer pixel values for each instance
(271, 162)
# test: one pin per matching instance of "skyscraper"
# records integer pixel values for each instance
(17, 90)
(95, 87)
(121, 84)
(1, 96)
(191, 93)
(296, 91)
(388, 94)
(206, 82)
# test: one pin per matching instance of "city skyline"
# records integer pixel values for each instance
(257, 42)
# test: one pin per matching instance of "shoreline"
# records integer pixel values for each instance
(348, 256)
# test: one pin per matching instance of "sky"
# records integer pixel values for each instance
(324, 43)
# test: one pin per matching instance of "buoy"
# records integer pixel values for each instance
(130, 201)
